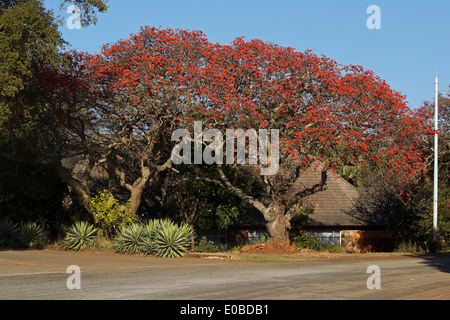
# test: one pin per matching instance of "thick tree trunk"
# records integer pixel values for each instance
(278, 227)
(135, 199)
(278, 220)
(80, 188)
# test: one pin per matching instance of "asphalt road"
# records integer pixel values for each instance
(42, 275)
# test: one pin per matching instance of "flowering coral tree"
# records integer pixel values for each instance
(327, 116)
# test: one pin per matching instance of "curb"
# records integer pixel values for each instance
(210, 256)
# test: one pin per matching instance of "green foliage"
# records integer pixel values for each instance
(9, 232)
(409, 247)
(29, 43)
(350, 173)
(171, 240)
(130, 239)
(110, 213)
(89, 9)
(206, 246)
(300, 220)
(80, 236)
(205, 204)
(32, 235)
(305, 241)
(29, 36)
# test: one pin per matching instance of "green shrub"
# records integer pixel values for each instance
(32, 235)
(130, 239)
(110, 213)
(80, 236)
(9, 232)
(409, 247)
(307, 242)
(171, 240)
(206, 246)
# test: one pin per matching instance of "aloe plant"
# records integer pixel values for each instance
(9, 232)
(80, 236)
(32, 235)
(129, 239)
(171, 240)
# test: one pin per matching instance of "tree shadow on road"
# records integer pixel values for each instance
(440, 261)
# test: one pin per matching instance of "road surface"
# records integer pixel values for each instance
(42, 275)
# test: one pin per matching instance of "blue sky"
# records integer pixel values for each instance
(411, 46)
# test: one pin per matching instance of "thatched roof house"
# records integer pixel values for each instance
(332, 220)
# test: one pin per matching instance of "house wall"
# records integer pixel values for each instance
(353, 241)
(367, 241)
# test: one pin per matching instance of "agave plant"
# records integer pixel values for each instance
(129, 239)
(80, 236)
(32, 235)
(171, 240)
(9, 232)
(147, 244)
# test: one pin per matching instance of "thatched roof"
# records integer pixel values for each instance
(333, 205)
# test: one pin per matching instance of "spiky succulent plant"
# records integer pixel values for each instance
(171, 240)
(80, 236)
(129, 239)
(9, 232)
(32, 235)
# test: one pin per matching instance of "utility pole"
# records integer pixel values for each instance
(436, 166)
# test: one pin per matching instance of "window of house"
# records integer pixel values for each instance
(219, 238)
(327, 237)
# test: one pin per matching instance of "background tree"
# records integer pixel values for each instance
(89, 9)
(422, 205)
(407, 209)
(29, 43)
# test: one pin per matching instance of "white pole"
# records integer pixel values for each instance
(436, 169)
